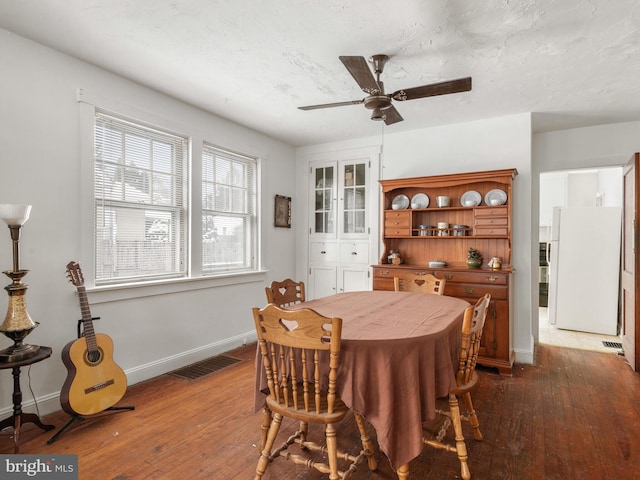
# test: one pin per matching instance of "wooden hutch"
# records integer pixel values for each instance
(486, 228)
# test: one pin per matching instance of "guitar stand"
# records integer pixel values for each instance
(80, 418)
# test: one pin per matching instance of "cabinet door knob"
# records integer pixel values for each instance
(354, 253)
(468, 290)
(448, 276)
(323, 252)
(384, 272)
(421, 273)
(492, 278)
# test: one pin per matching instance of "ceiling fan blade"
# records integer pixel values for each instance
(391, 115)
(329, 105)
(442, 88)
(361, 73)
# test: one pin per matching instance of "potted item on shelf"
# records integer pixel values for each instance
(394, 257)
(474, 259)
(496, 263)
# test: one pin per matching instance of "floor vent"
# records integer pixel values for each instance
(611, 344)
(205, 367)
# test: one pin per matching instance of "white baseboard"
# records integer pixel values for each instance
(47, 404)
(524, 356)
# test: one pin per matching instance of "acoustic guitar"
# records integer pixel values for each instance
(94, 381)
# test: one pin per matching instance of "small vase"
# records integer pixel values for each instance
(474, 262)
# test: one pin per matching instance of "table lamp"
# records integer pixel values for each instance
(17, 324)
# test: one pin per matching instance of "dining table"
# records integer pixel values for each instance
(398, 355)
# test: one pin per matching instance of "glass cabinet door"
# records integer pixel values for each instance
(324, 200)
(354, 196)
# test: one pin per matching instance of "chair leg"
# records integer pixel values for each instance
(367, 446)
(304, 431)
(268, 445)
(473, 418)
(266, 422)
(461, 447)
(403, 472)
(332, 451)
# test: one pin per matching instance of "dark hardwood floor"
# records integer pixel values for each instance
(576, 414)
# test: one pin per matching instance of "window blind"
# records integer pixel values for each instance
(229, 233)
(140, 185)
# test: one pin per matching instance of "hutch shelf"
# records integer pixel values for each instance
(422, 235)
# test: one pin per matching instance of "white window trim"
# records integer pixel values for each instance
(86, 257)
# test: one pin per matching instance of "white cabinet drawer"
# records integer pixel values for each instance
(322, 252)
(354, 253)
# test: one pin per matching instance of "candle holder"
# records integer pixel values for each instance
(17, 323)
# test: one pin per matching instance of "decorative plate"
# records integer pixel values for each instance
(420, 200)
(400, 202)
(496, 194)
(471, 195)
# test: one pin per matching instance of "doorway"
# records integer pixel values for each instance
(600, 187)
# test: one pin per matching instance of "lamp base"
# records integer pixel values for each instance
(18, 352)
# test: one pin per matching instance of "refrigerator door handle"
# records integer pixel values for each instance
(548, 253)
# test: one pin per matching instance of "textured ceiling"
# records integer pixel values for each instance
(573, 62)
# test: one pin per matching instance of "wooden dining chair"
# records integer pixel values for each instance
(419, 282)
(300, 357)
(466, 379)
(285, 293)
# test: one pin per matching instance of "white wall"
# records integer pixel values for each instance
(589, 147)
(41, 164)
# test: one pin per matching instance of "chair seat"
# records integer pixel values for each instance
(300, 414)
(464, 388)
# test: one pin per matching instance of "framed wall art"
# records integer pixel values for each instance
(282, 211)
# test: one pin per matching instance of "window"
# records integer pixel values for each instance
(229, 232)
(140, 202)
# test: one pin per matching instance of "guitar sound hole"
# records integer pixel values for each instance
(94, 356)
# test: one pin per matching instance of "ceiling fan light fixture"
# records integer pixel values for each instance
(378, 114)
(380, 103)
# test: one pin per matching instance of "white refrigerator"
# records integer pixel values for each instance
(584, 269)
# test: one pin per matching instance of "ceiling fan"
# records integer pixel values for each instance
(380, 102)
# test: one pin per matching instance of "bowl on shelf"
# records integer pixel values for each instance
(437, 264)
(495, 202)
(470, 203)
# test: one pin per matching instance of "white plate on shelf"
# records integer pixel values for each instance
(470, 195)
(420, 200)
(495, 194)
(400, 202)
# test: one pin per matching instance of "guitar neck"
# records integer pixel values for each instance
(87, 329)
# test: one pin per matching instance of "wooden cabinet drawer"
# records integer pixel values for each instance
(382, 283)
(489, 231)
(475, 291)
(491, 212)
(397, 218)
(384, 272)
(491, 221)
(488, 278)
(397, 224)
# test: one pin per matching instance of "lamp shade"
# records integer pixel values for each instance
(14, 214)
